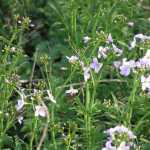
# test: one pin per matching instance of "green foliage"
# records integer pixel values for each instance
(35, 38)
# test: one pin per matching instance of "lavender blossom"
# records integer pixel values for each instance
(95, 65)
(144, 62)
(117, 50)
(123, 135)
(109, 39)
(126, 67)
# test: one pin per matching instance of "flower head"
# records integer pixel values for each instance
(144, 62)
(109, 39)
(145, 81)
(138, 38)
(86, 39)
(120, 138)
(40, 111)
(20, 119)
(125, 68)
(117, 50)
(102, 52)
(95, 65)
(20, 104)
(86, 73)
(130, 24)
(72, 59)
(72, 91)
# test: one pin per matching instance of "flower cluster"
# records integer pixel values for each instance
(138, 38)
(95, 65)
(125, 67)
(40, 109)
(120, 138)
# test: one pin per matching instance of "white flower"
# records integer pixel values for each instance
(86, 73)
(102, 52)
(72, 91)
(86, 39)
(20, 104)
(40, 111)
(13, 49)
(123, 146)
(51, 97)
(130, 24)
(132, 44)
(145, 81)
(20, 119)
(72, 59)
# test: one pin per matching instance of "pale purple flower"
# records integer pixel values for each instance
(95, 65)
(72, 59)
(20, 119)
(126, 67)
(102, 52)
(109, 39)
(145, 81)
(141, 37)
(86, 73)
(40, 111)
(72, 91)
(125, 70)
(117, 50)
(86, 39)
(123, 135)
(20, 104)
(144, 62)
(120, 129)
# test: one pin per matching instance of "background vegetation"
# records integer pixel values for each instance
(35, 38)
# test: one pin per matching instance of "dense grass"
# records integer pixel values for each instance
(36, 109)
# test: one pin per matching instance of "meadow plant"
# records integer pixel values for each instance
(74, 75)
